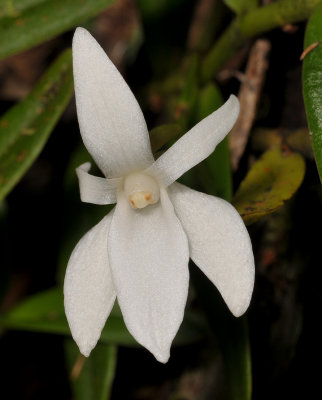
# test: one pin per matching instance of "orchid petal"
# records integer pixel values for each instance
(219, 244)
(88, 288)
(195, 145)
(94, 189)
(149, 256)
(110, 119)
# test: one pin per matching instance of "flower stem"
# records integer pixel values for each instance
(255, 22)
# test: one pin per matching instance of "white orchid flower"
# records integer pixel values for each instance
(139, 252)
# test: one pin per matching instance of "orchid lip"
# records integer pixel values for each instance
(141, 190)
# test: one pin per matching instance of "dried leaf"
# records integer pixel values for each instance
(272, 180)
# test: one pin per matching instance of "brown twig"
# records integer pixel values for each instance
(226, 74)
(249, 96)
(231, 67)
(202, 19)
(308, 49)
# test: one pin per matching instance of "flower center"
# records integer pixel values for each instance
(141, 190)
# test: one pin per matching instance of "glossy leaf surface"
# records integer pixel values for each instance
(312, 82)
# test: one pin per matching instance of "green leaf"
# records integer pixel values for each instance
(25, 128)
(231, 337)
(45, 21)
(13, 8)
(231, 333)
(163, 135)
(218, 163)
(254, 23)
(272, 180)
(240, 6)
(92, 377)
(189, 93)
(298, 140)
(156, 9)
(3, 212)
(44, 312)
(6, 265)
(312, 83)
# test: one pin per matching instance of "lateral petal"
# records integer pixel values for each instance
(89, 292)
(149, 257)
(219, 244)
(196, 145)
(94, 189)
(110, 119)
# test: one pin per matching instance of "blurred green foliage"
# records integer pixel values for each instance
(240, 6)
(44, 312)
(25, 128)
(91, 378)
(27, 23)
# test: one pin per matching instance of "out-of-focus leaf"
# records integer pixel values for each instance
(44, 312)
(271, 181)
(312, 82)
(92, 377)
(180, 108)
(6, 270)
(240, 6)
(298, 140)
(44, 21)
(155, 9)
(218, 163)
(3, 211)
(163, 135)
(231, 333)
(25, 128)
(187, 100)
(13, 8)
(231, 337)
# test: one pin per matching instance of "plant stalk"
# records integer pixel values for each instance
(254, 23)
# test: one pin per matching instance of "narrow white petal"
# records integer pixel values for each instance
(197, 144)
(219, 244)
(88, 288)
(94, 189)
(149, 257)
(110, 119)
